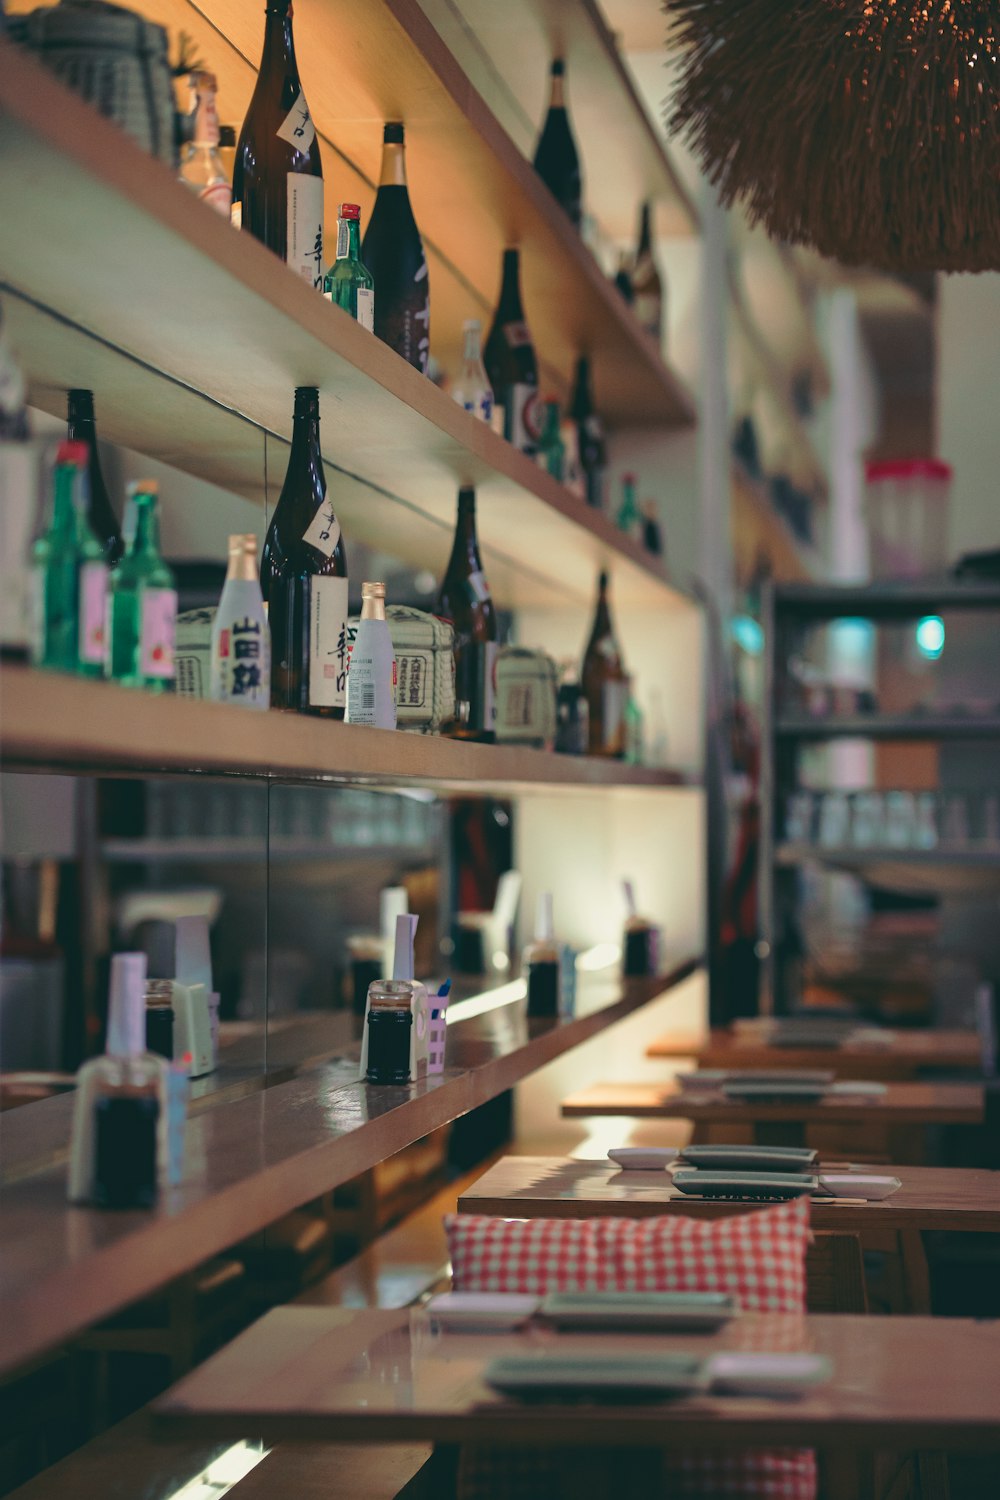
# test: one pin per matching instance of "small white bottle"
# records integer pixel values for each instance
(241, 640)
(472, 390)
(371, 672)
(118, 1150)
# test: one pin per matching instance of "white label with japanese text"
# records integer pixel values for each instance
(297, 127)
(304, 238)
(323, 531)
(328, 645)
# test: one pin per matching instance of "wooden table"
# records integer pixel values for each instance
(874, 1053)
(390, 1377)
(891, 1123)
(931, 1198)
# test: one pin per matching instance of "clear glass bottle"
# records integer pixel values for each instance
(541, 963)
(241, 639)
(473, 391)
(118, 1149)
(371, 675)
(69, 577)
(551, 448)
(349, 283)
(142, 601)
(201, 165)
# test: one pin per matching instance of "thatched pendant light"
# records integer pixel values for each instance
(867, 128)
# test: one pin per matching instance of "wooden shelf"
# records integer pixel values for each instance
(759, 528)
(254, 1160)
(919, 872)
(193, 336)
(505, 52)
(61, 723)
(889, 727)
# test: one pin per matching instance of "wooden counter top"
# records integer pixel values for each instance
(901, 1104)
(254, 1159)
(894, 1057)
(560, 1188)
(391, 1377)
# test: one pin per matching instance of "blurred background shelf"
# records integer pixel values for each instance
(888, 727)
(910, 871)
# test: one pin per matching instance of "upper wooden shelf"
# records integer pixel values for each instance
(53, 722)
(193, 337)
(505, 52)
(255, 1159)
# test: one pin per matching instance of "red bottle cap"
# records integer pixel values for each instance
(349, 211)
(72, 453)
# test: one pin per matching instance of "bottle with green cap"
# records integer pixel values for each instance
(142, 600)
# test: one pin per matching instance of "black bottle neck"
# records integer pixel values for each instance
(602, 618)
(557, 95)
(466, 545)
(80, 416)
(278, 57)
(306, 452)
(583, 404)
(510, 308)
(645, 232)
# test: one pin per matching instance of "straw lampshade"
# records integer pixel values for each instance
(869, 129)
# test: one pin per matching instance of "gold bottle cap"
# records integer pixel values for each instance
(373, 591)
(243, 541)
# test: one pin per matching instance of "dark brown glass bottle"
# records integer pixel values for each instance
(589, 436)
(605, 683)
(556, 160)
(394, 254)
(278, 175)
(647, 287)
(81, 428)
(465, 601)
(511, 365)
(303, 577)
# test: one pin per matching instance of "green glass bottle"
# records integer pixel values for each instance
(142, 600)
(629, 516)
(69, 576)
(349, 282)
(551, 448)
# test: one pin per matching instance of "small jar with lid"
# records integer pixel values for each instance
(390, 1026)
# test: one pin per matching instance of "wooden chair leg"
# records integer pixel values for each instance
(916, 1276)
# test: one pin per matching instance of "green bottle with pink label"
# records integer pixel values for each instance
(142, 601)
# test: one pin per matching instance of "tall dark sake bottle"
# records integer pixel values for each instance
(556, 160)
(589, 436)
(394, 253)
(81, 428)
(604, 680)
(303, 577)
(511, 365)
(278, 175)
(465, 600)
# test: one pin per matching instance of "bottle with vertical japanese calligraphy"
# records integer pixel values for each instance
(466, 602)
(394, 254)
(303, 578)
(241, 640)
(142, 601)
(278, 175)
(511, 364)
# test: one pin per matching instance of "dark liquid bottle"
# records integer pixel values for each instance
(647, 287)
(511, 365)
(465, 601)
(80, 428)
(394, 254)
(589, 436)
(278, 175)
(605, 684)
(556, 159)
(303, 577)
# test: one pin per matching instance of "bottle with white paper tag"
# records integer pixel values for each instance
(142, 601)
(371, 675)
(303, 578)
(465, 601)
(241, 640)
(349, 283)
(278, 175)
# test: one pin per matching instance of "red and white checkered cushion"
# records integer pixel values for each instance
(758, 1257)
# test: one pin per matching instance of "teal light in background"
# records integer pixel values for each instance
(930, 637)
(748, 634)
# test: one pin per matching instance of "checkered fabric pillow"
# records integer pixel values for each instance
(758, 1257)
